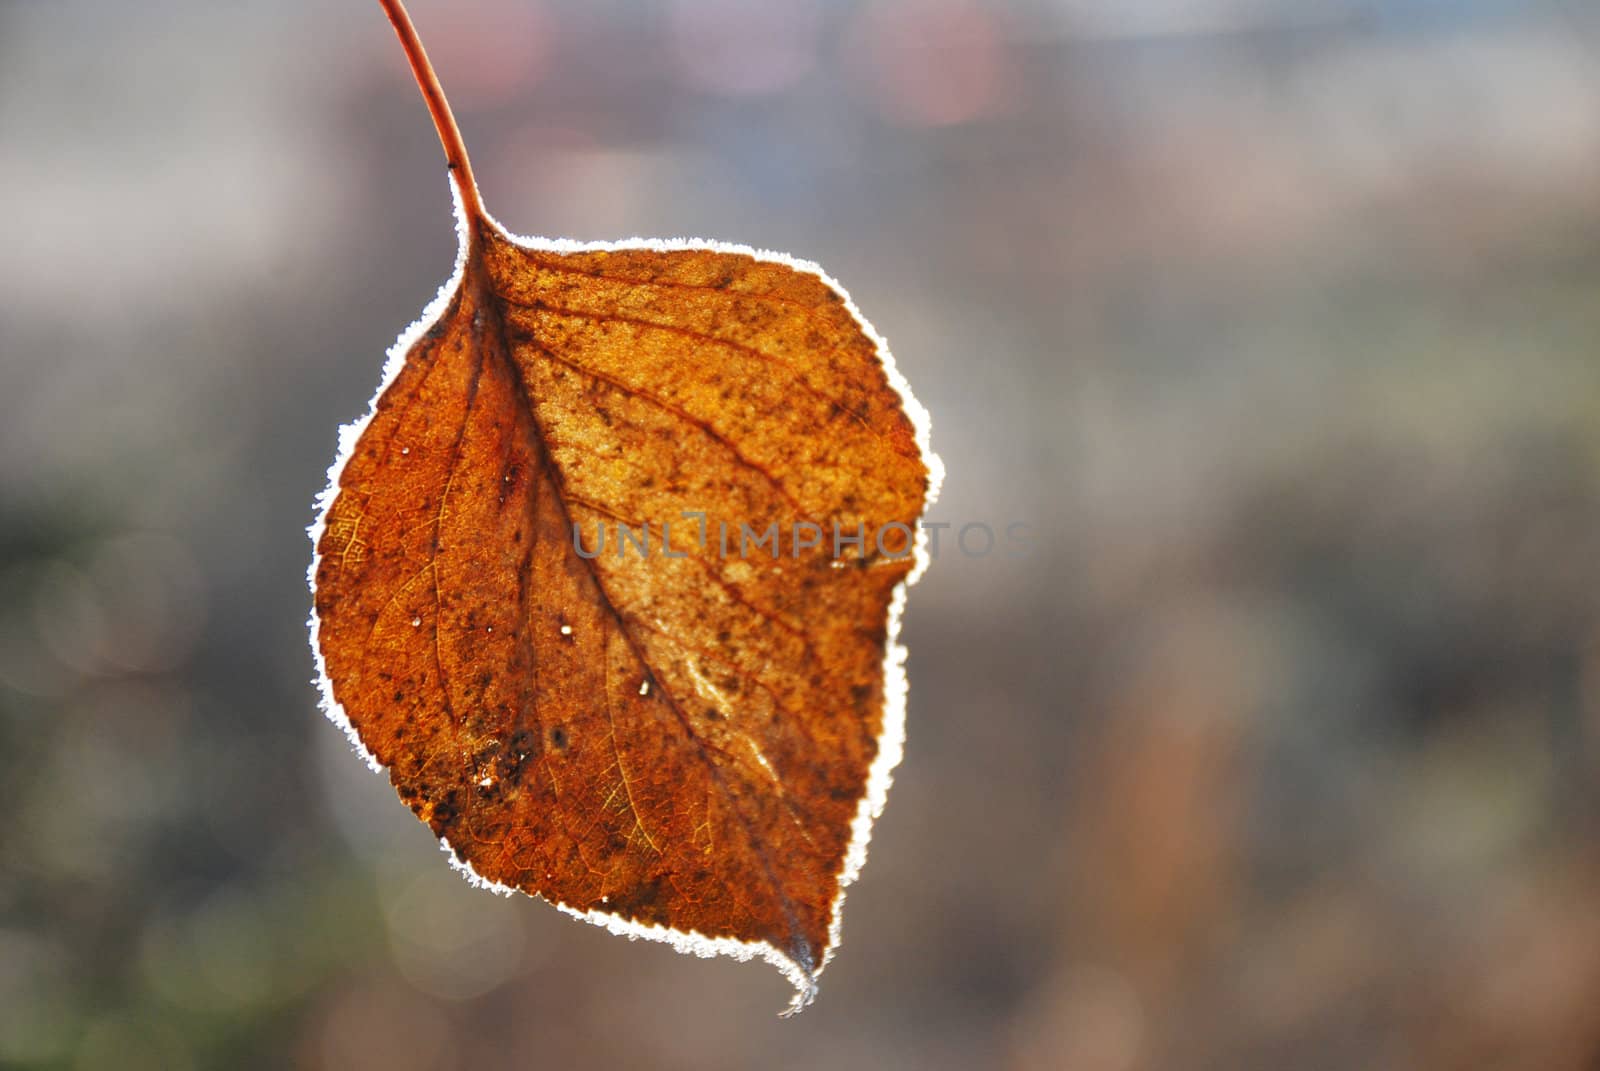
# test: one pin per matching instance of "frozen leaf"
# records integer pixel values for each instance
(684, 732)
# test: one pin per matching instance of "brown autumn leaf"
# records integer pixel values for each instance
(683, 740)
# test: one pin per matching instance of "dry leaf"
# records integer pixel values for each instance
(688, 745)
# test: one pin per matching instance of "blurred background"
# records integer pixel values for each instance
(1276, 319)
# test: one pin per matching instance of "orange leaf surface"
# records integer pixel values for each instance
(689, 743)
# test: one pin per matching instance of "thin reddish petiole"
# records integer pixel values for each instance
(455, 150)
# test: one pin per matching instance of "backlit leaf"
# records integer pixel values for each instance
(678, 739)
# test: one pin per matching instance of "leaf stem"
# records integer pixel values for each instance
(455, 150)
